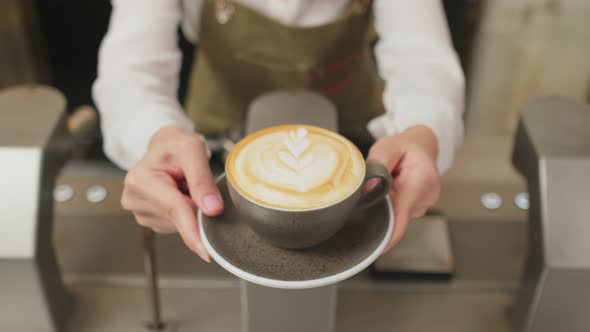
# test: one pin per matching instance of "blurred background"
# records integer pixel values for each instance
(512, 52)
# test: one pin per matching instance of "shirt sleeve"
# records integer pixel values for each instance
(137, 83)
(424, 80)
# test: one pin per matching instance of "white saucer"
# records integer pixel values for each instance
(236, 248)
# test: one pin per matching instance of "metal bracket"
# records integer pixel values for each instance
(552, 150)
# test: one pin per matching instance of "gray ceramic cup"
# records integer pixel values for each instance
(294, 229)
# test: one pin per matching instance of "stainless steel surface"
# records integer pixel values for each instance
(108, 284)
(564, 302)
(270, 309)
(565, 207)
(21, 292)
(484, 249)
(309, 310)
(484, 252)
(552, 151)
(22, 59)
(283, 107)
(109, 287)
(425, 248)
(380, 309)
(31, 156)
(31, 153)
(151, 271)
(363, 306)
(491, 251)
(481, 184)
(81, 175)
(488, 251)
(20, 105)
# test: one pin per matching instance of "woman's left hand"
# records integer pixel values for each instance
(410, 156)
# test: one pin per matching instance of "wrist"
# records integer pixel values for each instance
(424, 137)
(175, 134)
(167, 132)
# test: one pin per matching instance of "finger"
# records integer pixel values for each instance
(187, 226)
(177, 208)
(401, 218)
(387, 153)
(426, 188)
(404, 201)
(201, 184)
(136, 200)
(144, 212)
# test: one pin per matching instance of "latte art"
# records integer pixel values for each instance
(296, 144)
(295, 167)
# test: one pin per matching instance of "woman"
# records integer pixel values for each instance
(249, 47)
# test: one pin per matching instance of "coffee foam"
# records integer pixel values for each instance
(295, 167)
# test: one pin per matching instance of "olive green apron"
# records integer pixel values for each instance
(242, 54)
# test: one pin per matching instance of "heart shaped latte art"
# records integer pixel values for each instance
(295, 167)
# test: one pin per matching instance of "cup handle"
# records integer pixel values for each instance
(376, 194)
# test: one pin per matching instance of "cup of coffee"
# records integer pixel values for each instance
(298, 184)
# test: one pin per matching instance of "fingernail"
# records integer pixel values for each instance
(371, 184)
(211, 202)
(202, 252)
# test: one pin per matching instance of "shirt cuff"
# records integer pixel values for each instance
(129, 147)
(445, 122)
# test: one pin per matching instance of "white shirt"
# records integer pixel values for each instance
(139, 62)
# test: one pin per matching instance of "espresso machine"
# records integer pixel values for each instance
(36, 279)
(72, 260)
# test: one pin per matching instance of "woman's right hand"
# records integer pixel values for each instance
(165, 189)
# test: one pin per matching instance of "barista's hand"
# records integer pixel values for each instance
(165, 188)
(410, 156)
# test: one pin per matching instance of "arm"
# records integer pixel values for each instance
(136, 87)
(143, 125)
(424, 80)
(423, 99)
